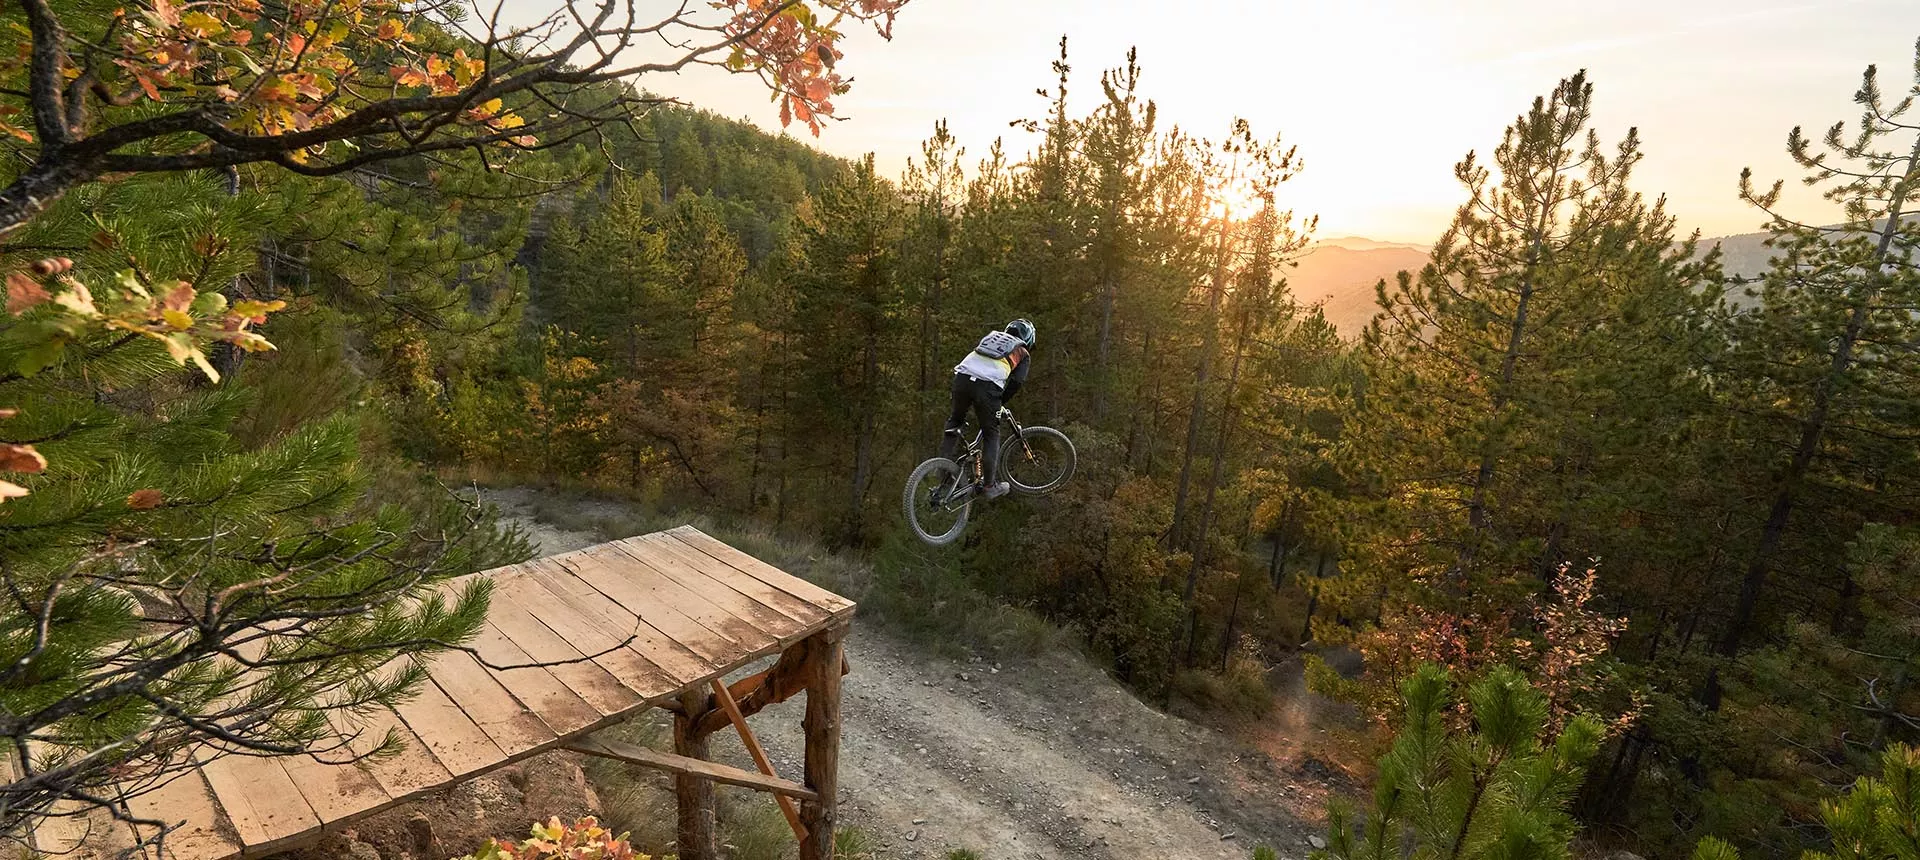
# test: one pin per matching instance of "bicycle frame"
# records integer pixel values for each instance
(969, 461)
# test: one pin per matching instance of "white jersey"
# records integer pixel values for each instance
(994, 359)
(994, 370)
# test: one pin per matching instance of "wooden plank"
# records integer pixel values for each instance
(589, 680)
(545, 695)
(691, 620)
(74, 826)
(671, 763)
(265, 806)
(723, 586)
(607, 624)
(460, 745)
(476, 692)
(188, 801)
(767, 595)
(761, 570)
(411, 772)
(334, 791)
(759, 755)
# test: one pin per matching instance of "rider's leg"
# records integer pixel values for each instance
(957, 416)
(986, 408)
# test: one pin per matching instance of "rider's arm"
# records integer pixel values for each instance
(1017, 378)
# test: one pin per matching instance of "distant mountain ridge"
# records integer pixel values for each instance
(1341, 272)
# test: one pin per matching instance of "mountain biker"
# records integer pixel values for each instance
(983, 382)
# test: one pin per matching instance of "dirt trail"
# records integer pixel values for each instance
(1048, 758)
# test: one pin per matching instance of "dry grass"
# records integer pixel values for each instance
(633, 799)
(752, 827)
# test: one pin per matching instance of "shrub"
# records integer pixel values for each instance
(1497, 789)
(583, 840)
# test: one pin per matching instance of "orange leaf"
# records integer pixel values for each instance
(179, 298)
(23, 293)
(145, 500)
(21, 458)
(11, 490)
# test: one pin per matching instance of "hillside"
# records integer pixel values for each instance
(1341, 273)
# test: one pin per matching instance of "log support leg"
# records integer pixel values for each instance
(693, 794)
(822, 727)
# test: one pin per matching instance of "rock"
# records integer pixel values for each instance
(1317, 842)
(919, 821)
(357, 850)
(913, 836)
(420, 829)
(1194, 781)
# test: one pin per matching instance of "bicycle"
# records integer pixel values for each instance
(1033, 461)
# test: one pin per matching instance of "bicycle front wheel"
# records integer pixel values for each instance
(1037, 461)
(936, 501)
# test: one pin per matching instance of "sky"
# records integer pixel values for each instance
(1382, 97)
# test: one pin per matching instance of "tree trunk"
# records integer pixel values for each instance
(694, 796)
(1196, 410)
(1811, 431)
(1502, 392)
(1109, 287)
(1277, 570)
(821, 727)
(1226, 636)
(863, 442)
(1213, 488)
(1136, 421)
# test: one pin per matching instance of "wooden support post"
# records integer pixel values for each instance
(693, 794)
(759, 755)
(822, 726)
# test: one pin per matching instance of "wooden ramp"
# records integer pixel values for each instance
(644, 622)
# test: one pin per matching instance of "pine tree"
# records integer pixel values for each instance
(1815, 372)
(848, 317)
(151, 560)
(1489, 432)
(1499, 789)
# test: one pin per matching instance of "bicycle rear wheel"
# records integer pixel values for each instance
(1038, 461)
(937, 502)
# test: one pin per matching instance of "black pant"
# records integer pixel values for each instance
(983, 398)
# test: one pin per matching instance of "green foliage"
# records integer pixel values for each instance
(1499, 788)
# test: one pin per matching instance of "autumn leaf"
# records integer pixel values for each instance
(24, 292)
(11, 490)
(145, 500)
(179, 298)
(78, 299)
(21, 458)
(256, 310)
(203, 24)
